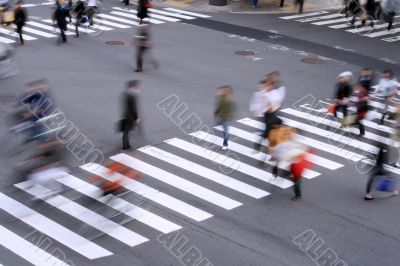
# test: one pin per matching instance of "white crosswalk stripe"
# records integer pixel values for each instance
(118, 18)
(339, 21)
(27, 250)
(43, 224)
(135, 212)
(85, 215)
(241, 149)
(205, 172)
(178, 182)
(229, 162)
(152, 194)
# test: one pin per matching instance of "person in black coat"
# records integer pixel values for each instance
(60, 17)
(142, 12)
(79, 10)
(20, 16)
(130, 116)
(343, 92)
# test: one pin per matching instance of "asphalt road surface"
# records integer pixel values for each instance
(196, 204)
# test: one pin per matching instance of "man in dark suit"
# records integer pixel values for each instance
(130, 115)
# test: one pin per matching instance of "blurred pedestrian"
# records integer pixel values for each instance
(378, 171)
(79, 10)
(362, 106)
(257, 101)
(20, 15)
(224, 111)
(254, 3)
(274, 96)
(130, 116)
(91, 11)
(387, 88)
(143, 44)
(300, 3)
(126, 2)
(60, 18)
(343, 92)
(396, 134)
(366, 78)
(142, 11)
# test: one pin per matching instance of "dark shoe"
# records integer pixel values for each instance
(296, 198)
(126, 147)
(139, 70)
(368, 198)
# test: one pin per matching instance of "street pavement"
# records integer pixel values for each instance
(197, 204)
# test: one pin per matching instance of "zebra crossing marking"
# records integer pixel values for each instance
(85, 215)
(27, 250)
(133, 211)
(152, 15)
(152, 194)
(179, 11)
(304, 15)
(226, 161)
(178, 182)
(52, 229)
(205, 172)
(315, 18)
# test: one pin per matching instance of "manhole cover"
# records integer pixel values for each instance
(7, 98)
(115, 43)
(312, 61)
(245, 53)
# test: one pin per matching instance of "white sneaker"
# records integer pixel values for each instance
(397, 165)
(224, 148)
(395, 193)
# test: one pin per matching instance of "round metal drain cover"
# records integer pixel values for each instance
(312, 61)
(245, 53)
(7, 98)
(115, 43)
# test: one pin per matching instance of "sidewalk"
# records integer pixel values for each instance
(244, 6)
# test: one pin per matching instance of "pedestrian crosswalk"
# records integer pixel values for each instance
(339, 21)
(116, 18)
(188, 178)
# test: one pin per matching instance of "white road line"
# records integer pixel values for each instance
(205, 172)
(382, 33)
(178, 182)
(323, 146)
(15, 35)
(333, 21)
(320, 18)
(246, 151)
(151, 15)
(85, 215)
(170, 14)
(305, 15)
(47, 27)
(109, 23)
(130, 22)
(151, 193)
(366, 122)
(236, 165)
(345, 25)
(376, 26)
(392, 39)
(179, 11)
(52, 229)
(331, 165)
(72, 27)
(5, 40)
(132, 16)
(27, 250)
(328, 122)
(132, 211)
(38, 32)
(332, 136)
(98, 26)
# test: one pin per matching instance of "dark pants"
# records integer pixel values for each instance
(139, 57)
(344, 109)
(62, 28)
(297, 187)
(282, 2)
(371, 178)
(301, 5)
(126, 2)
(125, 137)
(268, 121)
(92, 10)
(19, 31)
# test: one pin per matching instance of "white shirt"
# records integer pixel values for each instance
(387, 86)
(92, 3)
(276, 97)
(257, 103)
